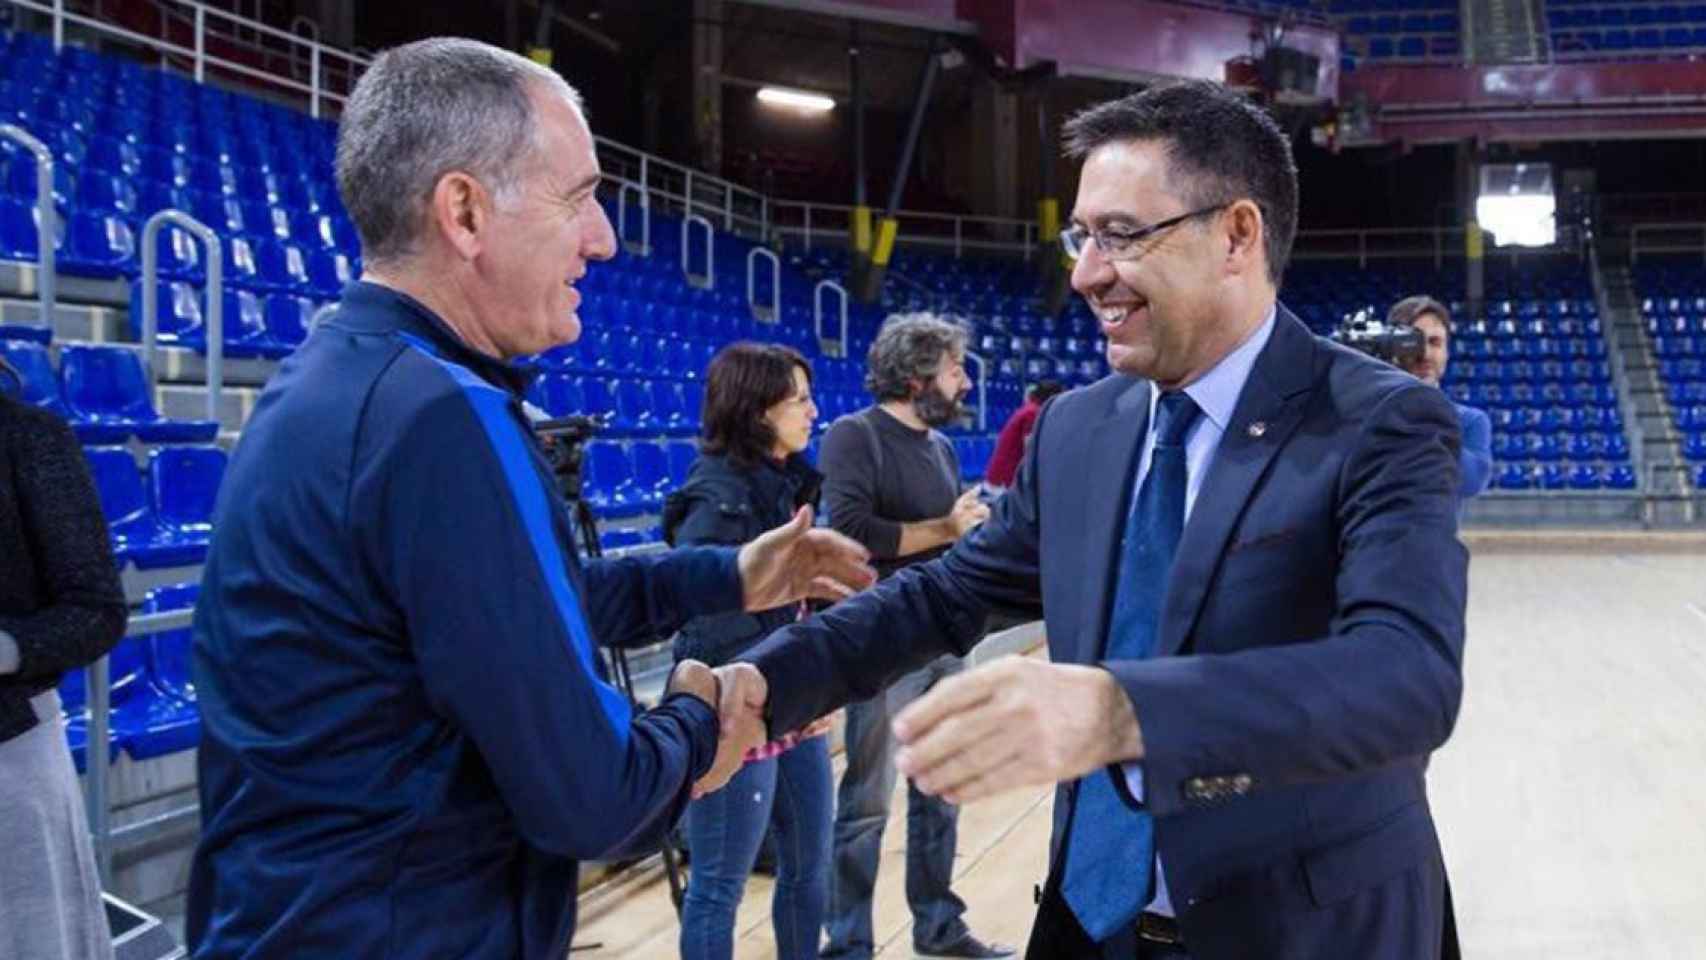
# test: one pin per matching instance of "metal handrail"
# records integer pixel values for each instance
(772, 313)
(817, 310)
(645, 247)
(47, 220)
(213, 325)
(982, 389)
(709, 278)
(1636, 230)
(98, 682)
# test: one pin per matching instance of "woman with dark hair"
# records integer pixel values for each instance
(751, 476)
(60, 609)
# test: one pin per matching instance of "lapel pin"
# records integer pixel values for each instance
(1257, 429)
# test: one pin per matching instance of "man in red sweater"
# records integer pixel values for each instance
(1010, 446)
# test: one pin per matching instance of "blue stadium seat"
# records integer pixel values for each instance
(681, 455)
(281, 267)
(669, 410)
(183, 483)
(131, 522)
(100, 245)
(559, 394)
(106, 390)
(634, 407)
(651, 473)
(1515, 476)
(329, 271)
(167, 654)
(41, 384)
(1585, 476)
(609, 481)
(599, 399)
(1620, 476)
(17, 230)
(288, 319)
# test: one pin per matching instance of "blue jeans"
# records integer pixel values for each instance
(792, 793)
(862, 809)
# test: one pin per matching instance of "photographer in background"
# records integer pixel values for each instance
(1430, 318)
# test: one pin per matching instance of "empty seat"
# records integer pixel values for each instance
(184, 484)
(289, 318)
(131, 522)
(100, 245)
(35, 368)
(106, 391)
(167, 653)
(609, 481)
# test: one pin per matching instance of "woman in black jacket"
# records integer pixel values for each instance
(751, 476)
(60, 609)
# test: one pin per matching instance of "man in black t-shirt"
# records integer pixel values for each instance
(892, 482)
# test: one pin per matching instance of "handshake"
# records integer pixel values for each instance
(737, 693)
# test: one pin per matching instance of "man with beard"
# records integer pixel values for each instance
(892, 483)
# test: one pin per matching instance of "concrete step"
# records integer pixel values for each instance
(189, 402)
(21, 280)
(71, 321)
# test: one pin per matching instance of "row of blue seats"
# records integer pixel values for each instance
(1408, 48)
(1691, 418)
(1683, 371)
(1550, 448)
(1676, 324)
(103, 393)
(1485, 395)
(1577, 419)
(111, 175)
(253, 324)
(107, 247)
(1694, 446)
(1393, 23)
(1650, 39)
(1602, 14)
(1555, 476)
(153, 708)
(1341, 7)
(1686, 393)
(1523, 371)
(1537, 349)
(167, 520)
(1676, 346)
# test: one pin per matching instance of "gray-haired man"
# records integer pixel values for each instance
(408, 741)
(892, 483)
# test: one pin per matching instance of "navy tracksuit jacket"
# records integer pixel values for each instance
(408, 741)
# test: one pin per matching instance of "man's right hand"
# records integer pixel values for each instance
(737, 692)
(968, 512)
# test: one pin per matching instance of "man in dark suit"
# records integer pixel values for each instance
(1244, 547)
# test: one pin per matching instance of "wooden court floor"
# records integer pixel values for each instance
(1571, 800)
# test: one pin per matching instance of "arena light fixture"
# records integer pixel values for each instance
(1516, 204)
(795, 99)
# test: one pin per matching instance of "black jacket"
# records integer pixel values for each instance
(728, 503)
(59, 590)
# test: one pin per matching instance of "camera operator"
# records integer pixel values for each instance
(1430, 318)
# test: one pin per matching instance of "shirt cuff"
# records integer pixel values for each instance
(1134, 779)
(8, 654)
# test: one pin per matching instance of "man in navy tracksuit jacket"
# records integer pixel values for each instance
(408, 742)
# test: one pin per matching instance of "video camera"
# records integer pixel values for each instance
(564, 440)
(1399, 346)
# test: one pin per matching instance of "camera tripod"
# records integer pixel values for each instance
(564, 440)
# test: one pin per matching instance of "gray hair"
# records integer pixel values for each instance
(425, 109)
(910, 347)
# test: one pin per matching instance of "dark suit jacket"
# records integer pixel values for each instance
(1310, 646)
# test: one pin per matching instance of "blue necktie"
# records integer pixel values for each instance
(1110, 850)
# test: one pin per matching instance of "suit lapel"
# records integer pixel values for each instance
(1268, 412)
(1111, 448)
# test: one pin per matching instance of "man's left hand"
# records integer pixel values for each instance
(1017, 722)
(796, 561)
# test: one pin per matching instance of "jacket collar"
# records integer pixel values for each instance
(374, 308)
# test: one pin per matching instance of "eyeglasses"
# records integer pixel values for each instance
(1119, 243)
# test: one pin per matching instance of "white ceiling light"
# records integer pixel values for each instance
(1516, 204)
(796, 99)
